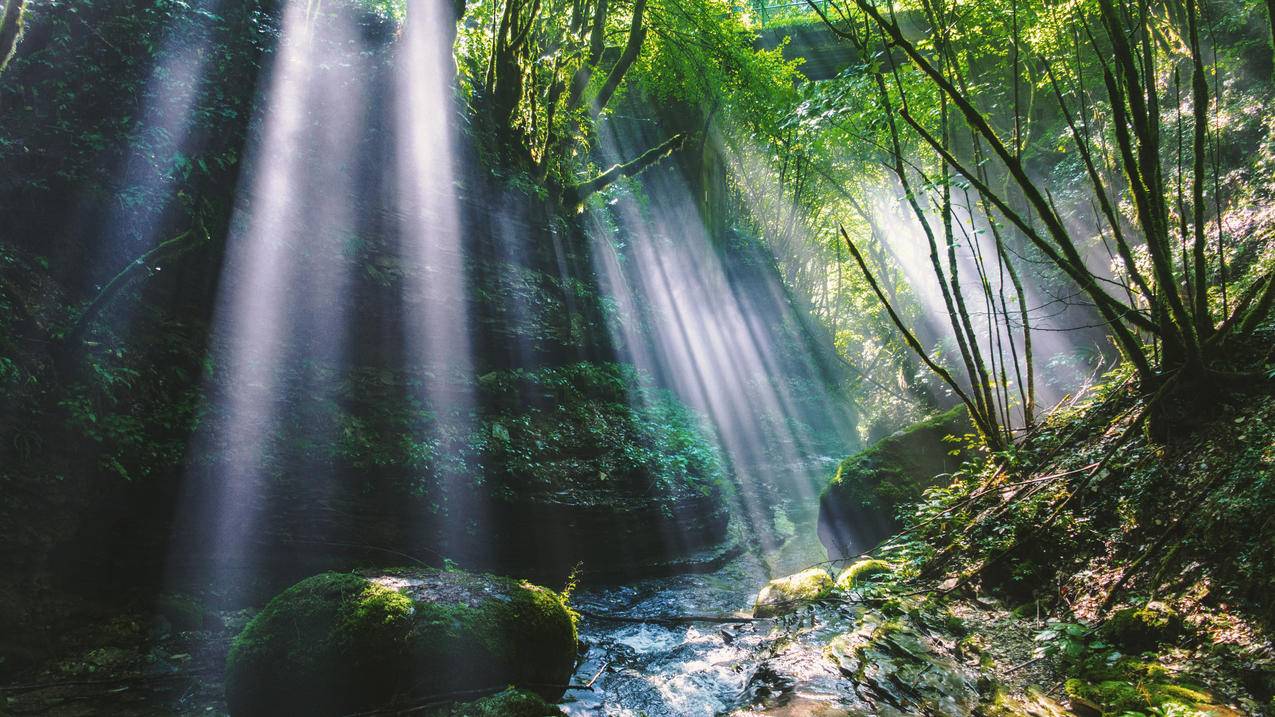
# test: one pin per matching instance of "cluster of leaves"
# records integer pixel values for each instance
(549, 85)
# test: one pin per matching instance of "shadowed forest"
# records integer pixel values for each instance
(637, 358)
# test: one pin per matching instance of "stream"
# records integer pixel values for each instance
(658, 669)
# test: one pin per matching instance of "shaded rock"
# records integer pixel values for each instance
(857, 573)
(783, 595)
(857, 507)
(1139, 629)
(184, 612)
(341, 642)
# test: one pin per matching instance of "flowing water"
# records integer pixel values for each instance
(669, 667)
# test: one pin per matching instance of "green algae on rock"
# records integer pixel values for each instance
(340, 642)
(783, 595)
(854, 575)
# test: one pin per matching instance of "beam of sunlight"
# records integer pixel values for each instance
(436, 289)
(717, 341)
(280, 318)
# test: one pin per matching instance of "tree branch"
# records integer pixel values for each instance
(10, 29)
(577, 194)
(178, 245)
(637, 35)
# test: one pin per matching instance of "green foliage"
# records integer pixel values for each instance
(76, 128)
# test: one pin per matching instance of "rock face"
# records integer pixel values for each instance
(858, 506)
(586, 464)
(338, 643)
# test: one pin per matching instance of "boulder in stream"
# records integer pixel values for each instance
(783, 595)
(338, 643)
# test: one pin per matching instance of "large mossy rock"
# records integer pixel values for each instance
(784, 595)
(858, 506)
(338, 643)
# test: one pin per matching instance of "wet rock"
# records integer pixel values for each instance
(784, 595)
(898, 668)
(341, 642)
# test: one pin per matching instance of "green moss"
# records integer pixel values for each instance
(338, 643)
(510, 703)
(857, 573)
(783, 595)
(327, 642)
(898, 468)
(1121, 696)
(529, 637)
(1143, 628)
(1031, 703)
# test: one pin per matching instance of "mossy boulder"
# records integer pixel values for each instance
(859, 504)
(342, 642)
(1139, 629)
(855, 575)
(783, 595)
